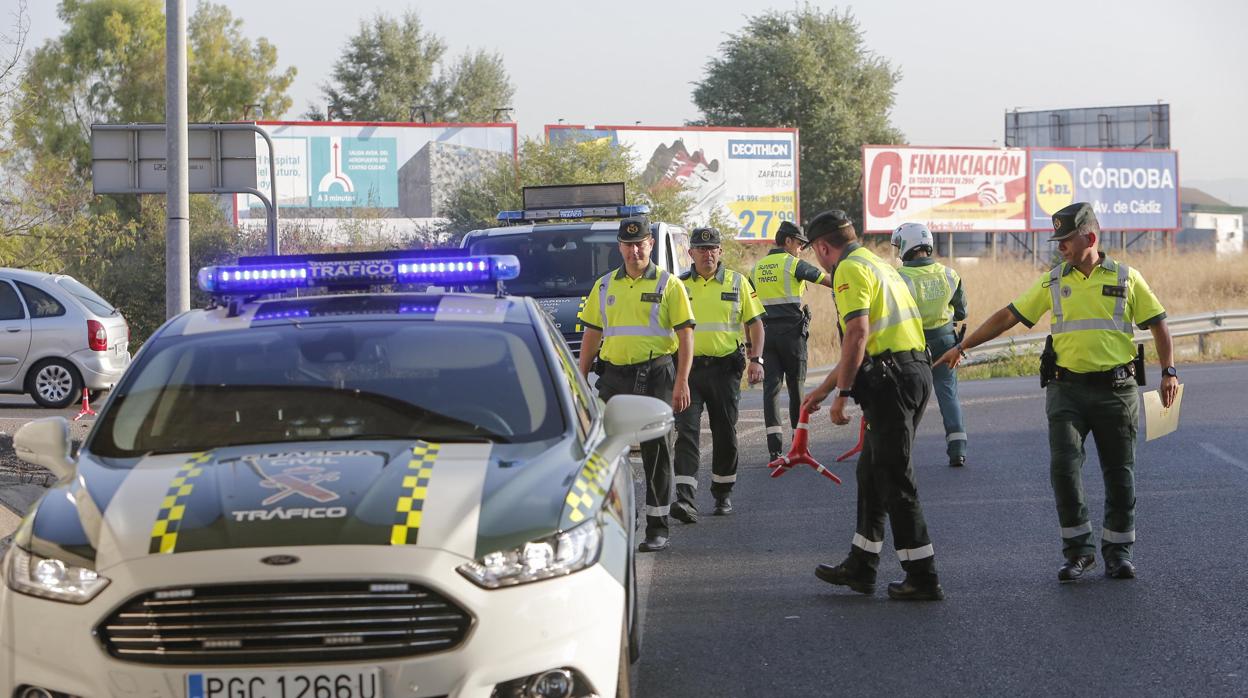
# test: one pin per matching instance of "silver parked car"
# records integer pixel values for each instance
(57, 337)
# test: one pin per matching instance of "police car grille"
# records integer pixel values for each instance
(287, 623)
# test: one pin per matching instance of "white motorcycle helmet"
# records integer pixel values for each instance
(909, 237)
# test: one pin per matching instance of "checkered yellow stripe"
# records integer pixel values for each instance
(169, 520)
(411, 504)
(579, 308)
(587, 491)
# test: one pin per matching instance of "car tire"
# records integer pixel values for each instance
(624, 682)
(54, 383)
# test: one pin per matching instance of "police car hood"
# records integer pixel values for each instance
(464, 498)
(564, 311)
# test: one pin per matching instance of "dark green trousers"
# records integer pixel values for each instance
(1112, 416)
(716, 387)
(784, 363)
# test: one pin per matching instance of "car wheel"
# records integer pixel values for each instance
(624, 683)
(54, 383)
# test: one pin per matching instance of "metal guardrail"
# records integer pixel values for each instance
(1200, 326)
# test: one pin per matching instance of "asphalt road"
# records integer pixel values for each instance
(733, 607)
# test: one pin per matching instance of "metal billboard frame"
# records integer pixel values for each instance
(224, 179)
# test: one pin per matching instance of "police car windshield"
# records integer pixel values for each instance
(553, 263)
(332, 381)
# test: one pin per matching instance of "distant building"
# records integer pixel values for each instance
(1209, 223)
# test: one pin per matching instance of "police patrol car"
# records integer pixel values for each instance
(353, 495)
(560, 259)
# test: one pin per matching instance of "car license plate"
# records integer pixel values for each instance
(317, 683)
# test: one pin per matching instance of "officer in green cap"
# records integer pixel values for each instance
(780, 278)
(1093, 302)
(638, 318)
(727, 309)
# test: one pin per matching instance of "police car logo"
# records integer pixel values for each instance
(303, 480)
(1066, 292)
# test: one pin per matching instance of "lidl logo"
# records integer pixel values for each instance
(1055, 186)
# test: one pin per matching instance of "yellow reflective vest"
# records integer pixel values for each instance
(638, 317)
(722, 304)
(865, 284)
(932, 285)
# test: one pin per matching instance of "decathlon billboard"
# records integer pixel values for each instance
(948, 189)
(403, 170)
(1128, 189)
(750, 174)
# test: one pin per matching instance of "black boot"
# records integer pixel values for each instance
(917, 587)
(684, 512)
(723, 505)
(851, 573)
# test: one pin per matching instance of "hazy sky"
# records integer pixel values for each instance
(963, 62)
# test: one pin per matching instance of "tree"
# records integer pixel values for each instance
(393, 70)
(109, 67)
(810, 69)
(477, 202)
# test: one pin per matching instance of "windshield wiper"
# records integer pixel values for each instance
(487, 437)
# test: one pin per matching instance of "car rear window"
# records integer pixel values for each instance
(40, 303)
(437, 381)
(89, 298)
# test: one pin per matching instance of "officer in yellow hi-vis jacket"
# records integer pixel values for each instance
(885, 367)
(1091, 385)
(724, 302)
(937, 289)
(780, 279)
(639, 315)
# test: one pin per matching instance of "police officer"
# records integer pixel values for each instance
(640, 316)
(723, 302)
(885, 367)
(1093, 301)
(780, 279)
(937, 289)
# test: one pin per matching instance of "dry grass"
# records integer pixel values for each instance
(1186, 283)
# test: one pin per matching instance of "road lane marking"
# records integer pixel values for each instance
(1215, 451)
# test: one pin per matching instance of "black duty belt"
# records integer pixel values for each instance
(708, 361)
(1119, 374)
(904, 357)
(665, 360)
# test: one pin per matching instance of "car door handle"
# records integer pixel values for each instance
(12, 329)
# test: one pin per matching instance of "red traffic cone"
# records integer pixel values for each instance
(862, 435)
(799, 453)
(86, 407)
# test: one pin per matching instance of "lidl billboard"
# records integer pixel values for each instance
(1128, 189)
(405, 170)
(948, 189)
(750, 174)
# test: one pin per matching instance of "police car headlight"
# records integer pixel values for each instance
(50, 578)
(554, 556)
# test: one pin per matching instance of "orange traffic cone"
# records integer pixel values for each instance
(862, 435)
(799, 454)
(86, 407)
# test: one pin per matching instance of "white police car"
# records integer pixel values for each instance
(335, 496)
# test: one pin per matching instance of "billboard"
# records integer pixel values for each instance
(1128, 189)
(948, 189)
(750, 174)
(1134, 126)
(405, 170)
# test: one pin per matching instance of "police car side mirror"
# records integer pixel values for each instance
(637, 418)
(46, 442)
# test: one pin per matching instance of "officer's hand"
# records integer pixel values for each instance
(813, 400)
(1169, 390)
(755, 375)
(680, 396)
(950, 359)
(837, 412)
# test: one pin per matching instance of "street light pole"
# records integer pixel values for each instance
(177, 196)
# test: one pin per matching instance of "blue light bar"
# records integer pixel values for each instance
(441, 267)
(548, 214)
